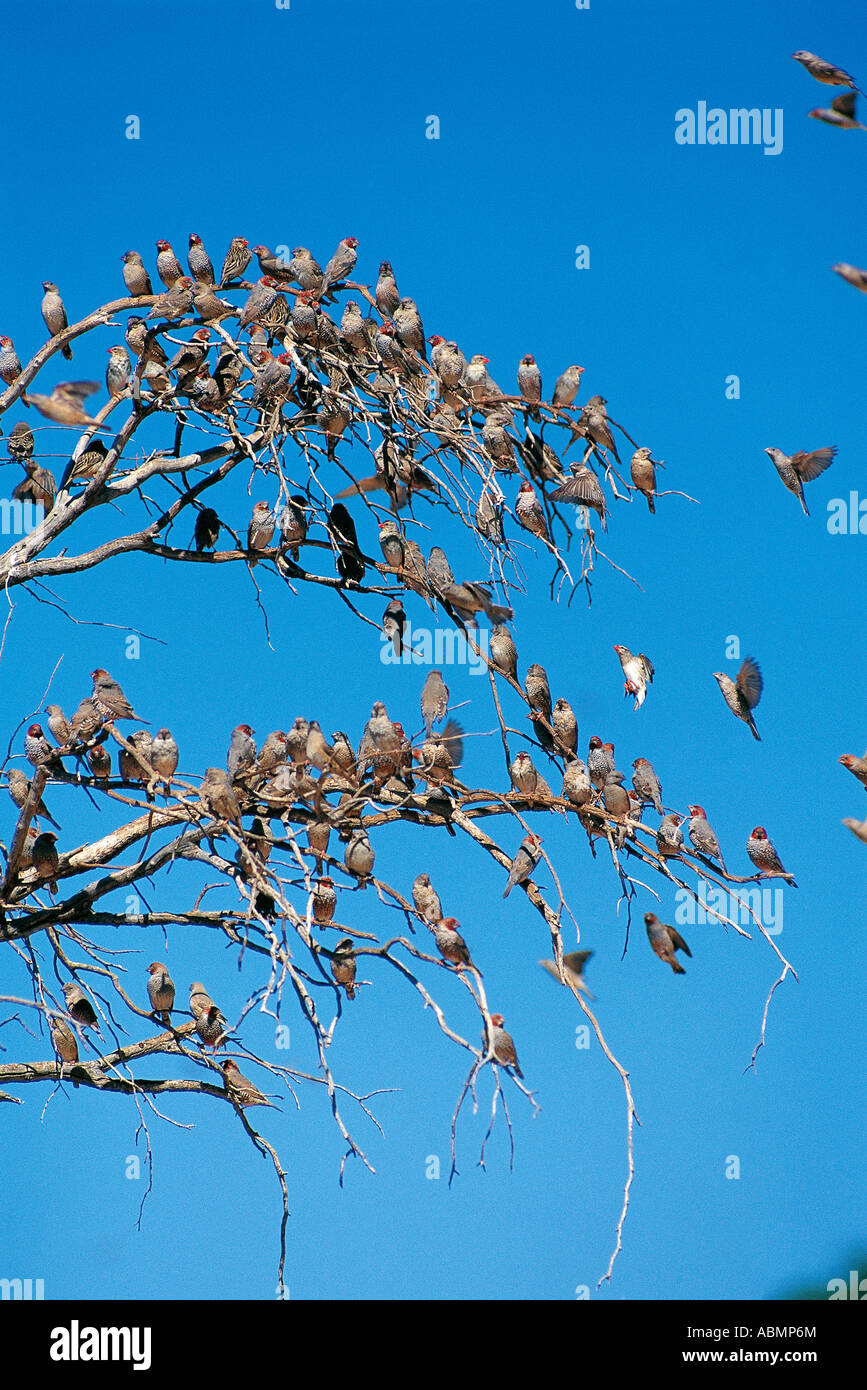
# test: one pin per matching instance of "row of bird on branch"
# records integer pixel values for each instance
(372, 355)
(269, 780)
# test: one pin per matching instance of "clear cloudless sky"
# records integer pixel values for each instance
(307, 124)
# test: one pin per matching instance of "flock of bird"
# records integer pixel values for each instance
(298, 371)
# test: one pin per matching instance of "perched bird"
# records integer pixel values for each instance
(638, 674)
(669, 836)
(503, 651)
(426, 899)
(576, 783)
(169, 268)
(324, 900)
(45, 858)
(110, 700)
(434, 700)
(408, 327)
(135, 275)
(665, 940)
(743, 694)
(567, 386)
(58, 724)
(448, 361)
(565, 726)
(54, 314)
(702, 836)
(800, 468)
(65, 404)
(305, 270)
(130, 768)
(38, 486)
(242, 752)
(99, 761)
(527, 779)
(598, 763)
(199, 261)
(341, 529)
(238, 257)
(19, 789)
(643, 471)
(530, 383)
(573, 969)
(857, 766)
(117, 372)
(394, 625)
(37, 749)
(261, 529)
(85, 465)
(584, 490)
(530, 512)
(161, 992)
(359, 856)
(80, 1007)
(765, 857)
(489, 516)
(200, 1000)
(341, 265)
(595, 426)
(450, 943)
(528, 855)
(239, 1089)
(841, 113)
(615, 795)
(386, 293)
(86, 721)
(10, 367)
(175, 302)
(502, 1046)
(646, 784)
(218, 797)
(538, 690)
(207, 531)
(343, 966)
(21, 442)
(63, 1041)
(164, 756)
(824, 71)
(212, 1027)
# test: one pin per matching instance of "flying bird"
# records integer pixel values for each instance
(797, 469)
(743, 694)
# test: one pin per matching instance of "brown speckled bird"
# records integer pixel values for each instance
(528, 855)
(135, 275)
(80, 1007)
(54, 314)
(449, 942)
(10, 367)
(218, 797)
(161, 992)
(65, 404)
(800, 468)
(341, 265)
(110, 700)
(343, 966)
(643, 471)
(238, 257)
(169, 268)
(765, 857)
(199, 261)
(743, 694)
(240, 1089)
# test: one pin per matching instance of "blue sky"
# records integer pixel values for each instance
(556, 130)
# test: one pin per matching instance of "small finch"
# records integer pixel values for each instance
(702, 836)
(199, 261)
(800, 468)
(239, 1089)
(765, 857)
(324, 900)
(643, 471)
(161, 991)
(218, 797)
(110, 700)
(45, 858)
(646, 783)
(343, 965)
(567, 386)
(341, 265)
(80, 1007)
(743, 694)
(502, 1046)
(54, 314)
(823, 71)
(665, 940)
(135, 276)
(669, 836)
(169, 268)
(528, 855)
(449, 942)
(426, 899)
(434, 700)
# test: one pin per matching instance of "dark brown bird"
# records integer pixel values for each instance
(664, 941)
